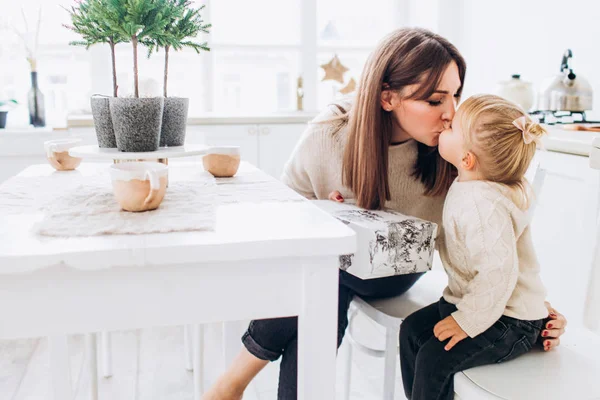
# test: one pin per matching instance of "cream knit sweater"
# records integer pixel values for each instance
(315, 168)
(489, 257)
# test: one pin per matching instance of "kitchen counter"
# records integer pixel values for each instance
(78, 121)
(15, 141)
(570, 142)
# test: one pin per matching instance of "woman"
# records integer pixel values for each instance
(381, 151)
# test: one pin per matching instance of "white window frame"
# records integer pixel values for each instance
(447, 17)
(308, 49)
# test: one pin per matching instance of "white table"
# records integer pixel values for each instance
(263, 260)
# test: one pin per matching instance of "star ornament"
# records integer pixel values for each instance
(349, 88)
(334, 70)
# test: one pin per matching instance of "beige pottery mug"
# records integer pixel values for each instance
(139, 186)
(57, 152)
(223, 161)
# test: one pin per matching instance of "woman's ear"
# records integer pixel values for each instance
(468, 161)
(388, 100)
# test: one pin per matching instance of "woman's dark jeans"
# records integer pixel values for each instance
(268, 339)
(428, 370)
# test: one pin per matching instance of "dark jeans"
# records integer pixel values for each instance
(428, 370)
(268, 339)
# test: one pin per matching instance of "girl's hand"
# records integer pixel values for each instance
(555, 328)
(336, 196)
(449, 328)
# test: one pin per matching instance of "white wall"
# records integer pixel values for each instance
(500, 38)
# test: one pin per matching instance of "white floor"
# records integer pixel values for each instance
(149, 364)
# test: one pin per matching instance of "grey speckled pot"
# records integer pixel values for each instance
(174, 121)
(103, 122)
(137, 122)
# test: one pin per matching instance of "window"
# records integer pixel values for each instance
(255, 80)
(63, 71)
(258, 51)
(255, 23)
(350, 24)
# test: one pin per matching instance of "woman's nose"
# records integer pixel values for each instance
(449, 112)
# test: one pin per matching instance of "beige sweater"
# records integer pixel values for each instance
(489, 257)
(315, 168)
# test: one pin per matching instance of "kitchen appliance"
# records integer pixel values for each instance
(565, 91)
(516, 90)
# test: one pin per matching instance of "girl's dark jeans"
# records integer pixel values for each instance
(428, 370)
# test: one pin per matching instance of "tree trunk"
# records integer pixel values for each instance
(166, 70)
(134, 41)
(114, 67)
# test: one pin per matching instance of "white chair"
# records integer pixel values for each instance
(560, 374)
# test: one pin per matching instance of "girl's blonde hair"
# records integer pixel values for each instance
(500, 147)
(407, 56)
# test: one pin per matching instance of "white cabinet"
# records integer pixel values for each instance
(276, 143)
(564, 230)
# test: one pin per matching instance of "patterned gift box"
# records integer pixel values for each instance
(388, 243)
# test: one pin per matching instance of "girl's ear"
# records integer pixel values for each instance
(468, 161)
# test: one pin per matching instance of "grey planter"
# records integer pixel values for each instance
(174, 121)
(103, 122)
(137, 122)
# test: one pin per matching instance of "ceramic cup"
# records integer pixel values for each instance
(139, 186)
(223, 161)
(57, 152)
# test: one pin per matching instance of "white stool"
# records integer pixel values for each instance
(559, 374)
(390, 313)
(534, 375)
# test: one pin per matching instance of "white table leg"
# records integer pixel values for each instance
(92, 353)
(390, 360)
(231, 341)
(188, 353)
(346, 354)
(317, 331)
(591, 311)
(60, 368)
(198, 345)
(105, 344)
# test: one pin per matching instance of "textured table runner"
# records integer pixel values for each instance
(82, 204)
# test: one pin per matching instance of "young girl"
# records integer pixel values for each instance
(493, 307)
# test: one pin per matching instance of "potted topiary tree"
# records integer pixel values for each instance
(182, 27)
(137, 121)
(89, 20)
(5, 107)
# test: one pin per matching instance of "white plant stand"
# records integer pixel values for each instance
(161, 155)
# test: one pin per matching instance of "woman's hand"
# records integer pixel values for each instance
(336, 196)
(555, 327)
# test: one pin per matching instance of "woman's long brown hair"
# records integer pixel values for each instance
(405, 57)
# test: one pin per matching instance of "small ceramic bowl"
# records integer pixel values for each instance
(57, 152)
(139, 186)
(223, 161)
